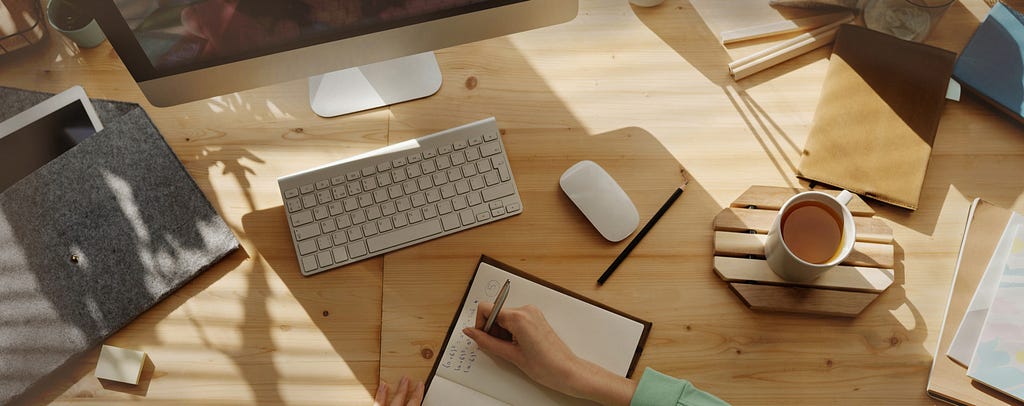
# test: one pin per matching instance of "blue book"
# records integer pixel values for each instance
(992, 63)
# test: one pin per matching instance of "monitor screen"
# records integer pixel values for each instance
(184, 35)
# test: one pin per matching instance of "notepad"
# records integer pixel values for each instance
(464, 374)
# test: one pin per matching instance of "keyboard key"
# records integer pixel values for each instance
(307, 247)
(335, 208)
(324, 196)
(352, 176)
(467, 218)
(413, 171)
(450, 221)
(355, 233)
(307, 188)
(462, 187)
(429, 212)
(290, 193)
(365, 200)
(339, 192)
(429, 153)
(324, 258)
(503, 172)
(425, 183)
(498, 212)
(512, 208)
(483, 216)
(410, 186)
(309, 263)
(339, 238)
(415, 216)
(405, 235)
(369, 184)
(399, 175)
(354, 188)
(383, 179)
(472, 154)
(403, 204)
(320, 212)
(468, 170)
(474, 198)
(418, 200)
(384, 225)
(373, 213)
(351, 204)
(447, 149)
(383, 166)
(370, 229)
(414, 158)
(447, 191)
(491, 178)
(357, 250)
(428, 166)
(395, 191)
(432, 196)
(400, 221)
(477, 182)
(398, 162)
(388, 208)
(494, 205)
(443, 162)
(324, 242)
(440, 178)
(323, 184)
(490, 136)
(483, 165)
(308, 201)
(339, 254)
(380, 195)
(498, 191)
(328, 226)
(459, 203)
(344, 221)
(294, 205)
(490, 148)
(358, 217)
(367, 171)
(307, 231)
(476, 140)
(454, 174)
(459, 145)
(444, 208)
(337, 180)
(458, 158)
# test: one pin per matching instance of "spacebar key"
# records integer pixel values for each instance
(404, 235)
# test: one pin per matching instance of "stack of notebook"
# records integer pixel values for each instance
(980, 358)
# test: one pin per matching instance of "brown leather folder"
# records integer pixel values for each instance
(948, 381)
(877, 116)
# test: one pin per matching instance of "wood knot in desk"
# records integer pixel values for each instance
(471, 82)
(427, 353)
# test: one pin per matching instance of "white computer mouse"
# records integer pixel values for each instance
(601, 199)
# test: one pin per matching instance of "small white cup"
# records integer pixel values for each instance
(790, 267)
(646, 3)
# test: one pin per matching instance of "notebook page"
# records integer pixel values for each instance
(442, 392)
(594, 334)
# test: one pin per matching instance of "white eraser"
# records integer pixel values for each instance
(119, 364)
(953, 91)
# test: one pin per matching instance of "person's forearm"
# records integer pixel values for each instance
(600, 385)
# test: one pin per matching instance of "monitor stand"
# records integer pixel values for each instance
(374, 85)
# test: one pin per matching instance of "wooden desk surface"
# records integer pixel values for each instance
(643, 92)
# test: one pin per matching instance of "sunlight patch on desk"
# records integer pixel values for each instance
(905, 316)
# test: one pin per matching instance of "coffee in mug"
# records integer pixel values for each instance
(812, 233)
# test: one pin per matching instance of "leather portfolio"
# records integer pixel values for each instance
(877, 116)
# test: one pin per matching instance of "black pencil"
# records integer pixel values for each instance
(639, 236)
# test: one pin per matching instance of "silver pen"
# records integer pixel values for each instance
(498, 303)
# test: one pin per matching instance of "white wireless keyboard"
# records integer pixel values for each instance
(398, 196)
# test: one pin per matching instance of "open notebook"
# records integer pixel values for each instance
(464, 374)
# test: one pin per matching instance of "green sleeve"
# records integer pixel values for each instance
(657, 389)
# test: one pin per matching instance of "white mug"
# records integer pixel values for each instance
(781, 258)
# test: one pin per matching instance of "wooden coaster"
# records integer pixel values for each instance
(741, 231)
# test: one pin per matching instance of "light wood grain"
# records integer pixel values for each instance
(803, 300)
(772, 198)
(860, 279)
(641, 91)
(741, 245)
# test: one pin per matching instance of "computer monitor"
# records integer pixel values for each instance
(358, 54)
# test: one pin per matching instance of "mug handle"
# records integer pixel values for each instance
(844, 197)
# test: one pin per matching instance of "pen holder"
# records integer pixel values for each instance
(846, 290)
